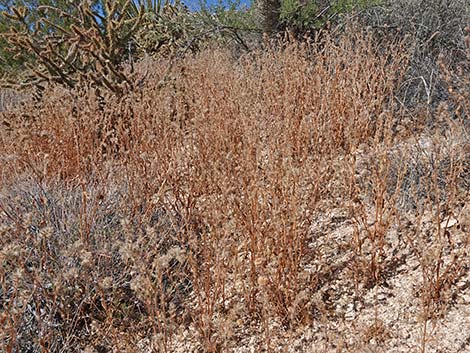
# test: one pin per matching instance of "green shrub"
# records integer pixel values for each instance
(303, 16)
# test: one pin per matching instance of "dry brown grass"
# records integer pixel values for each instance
(242, 204)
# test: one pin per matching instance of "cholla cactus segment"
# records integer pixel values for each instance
(75, 44)
(163, 33)
(173, 30)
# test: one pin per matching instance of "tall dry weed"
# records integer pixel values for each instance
(187, 210)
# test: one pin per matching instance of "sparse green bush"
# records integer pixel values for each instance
(308, 15)
(302, 17)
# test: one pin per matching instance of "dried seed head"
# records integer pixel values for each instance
(46, 233)
(106, 283)
(87, 258)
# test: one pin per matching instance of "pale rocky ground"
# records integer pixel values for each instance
(354, 317)
(383, 318)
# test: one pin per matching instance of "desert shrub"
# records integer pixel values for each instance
(434, 29)
(9, 99)
(97, 43)
(83, 263)
(301, 17)
(237, 23)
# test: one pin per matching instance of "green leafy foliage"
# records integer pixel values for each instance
(229, 22)
(164, 29)
(302, 16)
(231, 14)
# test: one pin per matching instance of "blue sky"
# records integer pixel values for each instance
(194, 4)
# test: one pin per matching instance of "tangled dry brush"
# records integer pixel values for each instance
(286, 200)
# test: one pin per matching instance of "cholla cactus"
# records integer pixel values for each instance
(92, 46)
(172, 30)
(166, 31)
